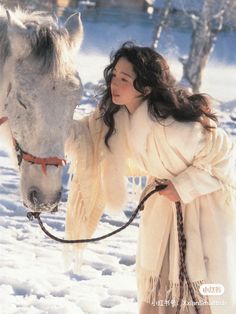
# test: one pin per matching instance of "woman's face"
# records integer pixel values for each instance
(122, 87)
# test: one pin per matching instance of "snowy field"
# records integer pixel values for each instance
(33, 277)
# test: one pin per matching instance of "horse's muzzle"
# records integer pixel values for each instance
(38, 202)
(43, 208)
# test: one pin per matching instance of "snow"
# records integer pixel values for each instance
(33, 277)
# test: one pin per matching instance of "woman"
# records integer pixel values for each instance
(146, 125)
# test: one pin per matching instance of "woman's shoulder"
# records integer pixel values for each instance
(183, 128)
(184, 136)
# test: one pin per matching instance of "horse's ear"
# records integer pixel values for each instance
(17, 35)
(13, 21)
(74, 27)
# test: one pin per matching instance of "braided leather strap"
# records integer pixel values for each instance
(183, 274)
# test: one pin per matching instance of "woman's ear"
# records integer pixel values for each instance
(147, 90)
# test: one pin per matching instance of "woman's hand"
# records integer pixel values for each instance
(170, 192)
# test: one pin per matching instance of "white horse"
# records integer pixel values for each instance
(39, 90)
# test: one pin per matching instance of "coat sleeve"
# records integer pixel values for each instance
(85, 200)
(211, 168)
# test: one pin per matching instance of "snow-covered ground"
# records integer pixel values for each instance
(33, 279)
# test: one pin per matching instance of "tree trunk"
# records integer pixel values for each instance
(204, 36)
(162, 23)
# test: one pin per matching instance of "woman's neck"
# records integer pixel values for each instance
(132, 108)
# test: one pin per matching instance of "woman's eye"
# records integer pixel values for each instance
(124, 80)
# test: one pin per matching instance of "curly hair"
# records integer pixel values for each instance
(165, 99)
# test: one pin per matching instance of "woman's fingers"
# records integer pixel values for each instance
(170, 192)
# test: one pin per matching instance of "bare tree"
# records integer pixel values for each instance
(206, 27)
(163, 22)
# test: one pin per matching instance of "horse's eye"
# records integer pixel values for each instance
(21, 103)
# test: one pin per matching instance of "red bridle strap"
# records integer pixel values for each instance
(3, 119)
(44, 162)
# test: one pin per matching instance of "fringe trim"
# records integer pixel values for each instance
(159, 292)
(73, 259)
(173, 292)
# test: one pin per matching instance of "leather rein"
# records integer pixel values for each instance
(183, 274)
(140, 207)
(55, 161)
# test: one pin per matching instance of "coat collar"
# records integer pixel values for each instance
(141, 125)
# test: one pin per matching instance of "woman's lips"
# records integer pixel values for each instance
(115, 95)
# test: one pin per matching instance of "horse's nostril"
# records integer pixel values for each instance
(39, 201)
(34, 197)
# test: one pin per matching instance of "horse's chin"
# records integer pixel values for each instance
(42, 208)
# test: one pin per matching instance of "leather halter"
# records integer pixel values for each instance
(22, 155)
(3, 119)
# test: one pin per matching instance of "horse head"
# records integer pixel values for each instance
(39, 90)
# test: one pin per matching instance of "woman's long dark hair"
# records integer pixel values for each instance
(166, 97)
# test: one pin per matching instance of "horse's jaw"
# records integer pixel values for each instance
(39, 90)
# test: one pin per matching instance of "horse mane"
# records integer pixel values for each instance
(4, 41)
(48, 41)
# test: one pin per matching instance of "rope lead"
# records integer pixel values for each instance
(181, 240)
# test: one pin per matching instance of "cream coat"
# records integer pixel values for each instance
(201, 166)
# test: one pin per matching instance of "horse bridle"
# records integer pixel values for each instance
(23, 155)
